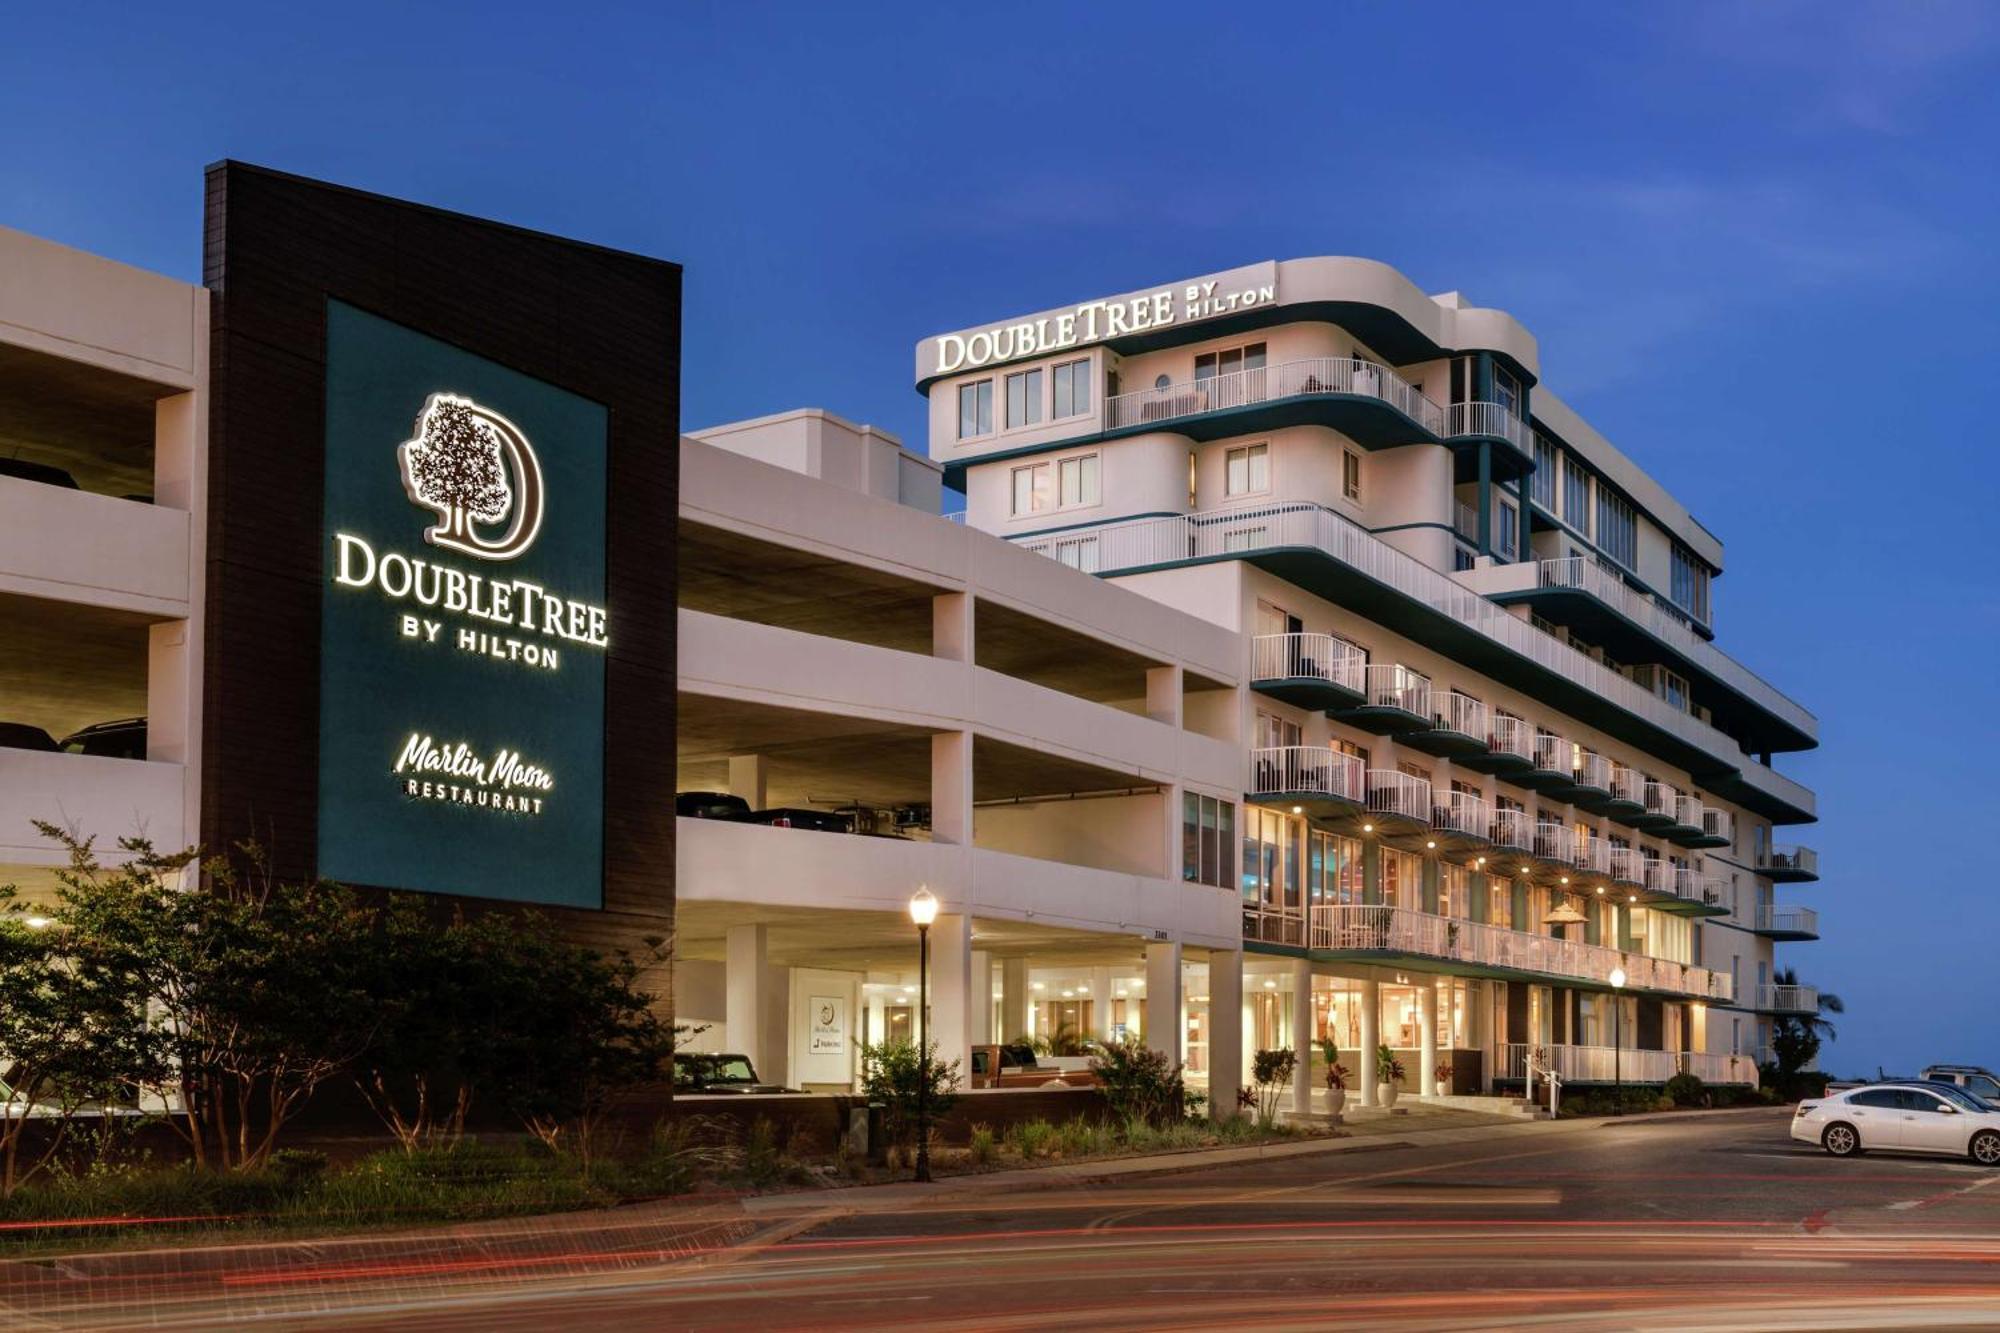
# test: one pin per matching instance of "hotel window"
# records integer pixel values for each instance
(975, 409)
(1273, 853)
(1031, 489)
(1350, 474)
(1402, 879)
(1544, 477)
(1334, 875)
(1617, 529)
(1273, 731)
(1079, 481)
(1024, 398)
(1689, 588)
(1072, 384)
(1454, 890)
(1507, 390)
(1211, 364)
(1247, 470)
(1506, 528)
(1208, 839)
(1576, 495)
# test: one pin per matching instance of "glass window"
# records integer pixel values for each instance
(1350, 474)
(1617, 529)
(1079, 481)
(1072, 386)
(1544, 476)
(1506, 528)
(1024, 398)
(1689, 588)
(1031, 489)
(1576, 495)
(975, 409)
(1208, 831)
(1227, 362)
(1247, 470)
(1507, 390)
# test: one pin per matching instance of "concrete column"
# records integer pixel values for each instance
(1302, 1036)
(878, 1018)
(1013, 998)
(1100, 1003)
(1371, 1037)
(951, 976)
(1225, 1031)
(1163, 694)
(746, 999)
(981, 998)
(749, 778)
(951, 788)
(1163, 1029)
(1427, 1037)
(951, 626)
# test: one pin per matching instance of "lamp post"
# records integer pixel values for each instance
(923, 911)
(1617, 980)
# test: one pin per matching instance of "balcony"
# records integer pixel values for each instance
(1394, 700)
(1369, 403)
(1626, 796)
(1656, 811)
(1627, 867)
(1461, 821)
(1312, 779)
(1510, 747)
(1593, 856)
(1458, 727)
(1398, 802)
(1333, 557)
(1589, 781)
(1602, 1064)
(1785, 923)
(1700, 890)
(1551, 767)
(1315, 671)
(1785, 1000)
(1789, 865)
(1718, 829)
(1634, 626)
(1471, 947)
(1488, 421)
(1686, 828)
(1514, 830)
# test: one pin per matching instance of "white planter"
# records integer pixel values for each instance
(1385, 1093)
(1443, 1088)
(1336, 1099)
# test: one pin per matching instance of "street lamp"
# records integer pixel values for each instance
(923, 911)
(1617, 980)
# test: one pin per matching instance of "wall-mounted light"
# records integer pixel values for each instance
(1367, 828)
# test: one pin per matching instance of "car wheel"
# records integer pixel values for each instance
(1985, 1148)
(1840, 1140)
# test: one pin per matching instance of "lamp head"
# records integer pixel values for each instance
(923, 906)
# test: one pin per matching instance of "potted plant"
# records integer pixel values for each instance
(1443, 1072)
(1336, 1089)
(1389, 1071)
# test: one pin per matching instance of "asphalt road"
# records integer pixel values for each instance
(1710, 1223)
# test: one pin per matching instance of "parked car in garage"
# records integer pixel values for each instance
(21, 736)
(123, 739)
(710, 805)
(1935, 1118)
(822, 821)
(42, 472)
(696, 1071)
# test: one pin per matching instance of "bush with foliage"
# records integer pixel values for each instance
(1387, 1067)
(1271, 1070)
(1685, 1089)
(1140, 1084)
(891, 1074)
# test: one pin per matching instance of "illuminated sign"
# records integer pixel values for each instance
(463, 623)
(1098, 321)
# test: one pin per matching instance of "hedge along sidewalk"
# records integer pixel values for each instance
(1378, 1135)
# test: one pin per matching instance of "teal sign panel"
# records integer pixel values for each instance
(462, 623)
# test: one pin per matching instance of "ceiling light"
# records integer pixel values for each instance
(1121, 995)
(1298, 809)
(1270, 985)
(1431, 845)
(1040, 986)
(1367, 828)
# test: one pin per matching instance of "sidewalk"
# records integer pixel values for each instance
(1376, 1133)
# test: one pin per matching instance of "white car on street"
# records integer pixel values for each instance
(1901, 1117)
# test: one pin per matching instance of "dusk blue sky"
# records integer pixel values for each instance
(1756, 241)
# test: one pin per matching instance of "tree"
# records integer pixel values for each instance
(454, 465)
(892, 1073)
(255, 987)
(1795, 1038)
(1271, 1071)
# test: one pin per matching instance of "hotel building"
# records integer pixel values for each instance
(1301, 666)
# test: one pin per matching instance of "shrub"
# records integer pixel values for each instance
(982, 1146)
(1685, 1089)
(1271, 1071)
(1141, 1085)
(892, 1075)
(1031, 1138)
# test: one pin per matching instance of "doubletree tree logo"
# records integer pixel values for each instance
(477, 471)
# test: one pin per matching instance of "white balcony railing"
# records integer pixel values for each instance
(1511, 735)
(1460, 713)
(1486, 419)
(1593, 770)
(1552, 753)
(1554, 842)
(1586, 575)
(1391, 792)
(1718, 824)
(1291, 379)
(1786, 920)
(1306, 770)
(1388, 685)
(1465, 521)
(1627, 785)
(1514, 829)
(1603, 1064)
(1593, 855)
(1687, 811)
(1424, 934)
(1792, 860)
(1461, 812)
(1787, 999)
(1133, 544)
(1656, 875)
(1308, 657)
(1659, 799)
(1626, 865)
(1691, 885)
